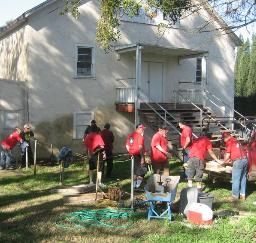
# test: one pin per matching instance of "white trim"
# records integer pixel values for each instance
(93, 70)
(75, 121)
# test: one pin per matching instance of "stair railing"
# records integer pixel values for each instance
(201, 110)
(241, 117)
(144, 98)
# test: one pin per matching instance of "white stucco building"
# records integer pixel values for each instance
(55, 76)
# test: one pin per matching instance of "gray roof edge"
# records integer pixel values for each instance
(23, 18)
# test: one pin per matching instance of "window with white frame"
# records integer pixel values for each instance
(198, 70)
(81, 121)
(84, 64)
(11, 119)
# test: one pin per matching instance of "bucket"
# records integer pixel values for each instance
(206, 199)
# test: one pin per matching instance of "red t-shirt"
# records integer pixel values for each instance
(92, 141)
(134, 141)
(108, 139)
(156, 155)
(199, 148)
(186, 132)
(235, 150)
(12, 140)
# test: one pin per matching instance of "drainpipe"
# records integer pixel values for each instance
(137, 82)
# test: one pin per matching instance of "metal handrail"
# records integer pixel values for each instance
(162, 108)
(232, 109)
(201, 110)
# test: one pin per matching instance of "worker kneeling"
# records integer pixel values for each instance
(96, 154)
(195, 165)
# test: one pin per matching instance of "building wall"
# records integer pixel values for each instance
(55, 93)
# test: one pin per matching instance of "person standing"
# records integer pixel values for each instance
(89, 128)
(26, 136)
(95, 150)
(159, 152)
(108, 138)
(136, 147)
(195, 164)
(236, 155)
(7, 145)
(185, 140)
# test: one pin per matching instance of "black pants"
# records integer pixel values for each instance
(30, 157)
(109, 160)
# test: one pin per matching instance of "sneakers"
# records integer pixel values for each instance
(242, 198)
(137, 184)
(102, 186)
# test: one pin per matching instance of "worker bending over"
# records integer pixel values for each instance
(236, 156)
(136, 148)
(95, 150)
(195, 165)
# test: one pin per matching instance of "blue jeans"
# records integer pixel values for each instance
(239, 174)
(6, 157)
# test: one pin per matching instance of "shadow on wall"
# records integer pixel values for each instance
(57, 133)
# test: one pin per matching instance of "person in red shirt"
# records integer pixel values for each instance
(236, 155)
(185, 140)
(195, 165)
(95, 148)
(108, 138)
(7, 145)
(136, 148)
(159, 152)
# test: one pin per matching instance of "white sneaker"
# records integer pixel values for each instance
(138, 183)
(135, 184)
(102, 186)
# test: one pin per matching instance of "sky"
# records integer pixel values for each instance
(11, 9)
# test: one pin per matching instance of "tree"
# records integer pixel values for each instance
(252, 69)
(242, 70)
(237, 68)
(238, 13)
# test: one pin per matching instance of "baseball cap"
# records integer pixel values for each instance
(225, 134)
(140, 126)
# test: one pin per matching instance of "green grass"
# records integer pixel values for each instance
(29, 211)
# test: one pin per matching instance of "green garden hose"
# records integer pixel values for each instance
(100, 217)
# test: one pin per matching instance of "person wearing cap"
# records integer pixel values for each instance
(88, 129)
(159, 152)
(236, 155)
(135, 146)
(26, 135)
(95, 149)
(185, 139)
(7, 145)
(195, 164)
(108, 138)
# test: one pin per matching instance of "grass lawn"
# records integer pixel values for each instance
(29, 211)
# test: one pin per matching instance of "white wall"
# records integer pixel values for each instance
(54, 92)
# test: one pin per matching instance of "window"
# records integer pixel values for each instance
(84, 65)
(198, 70)
(11, 119)
(81, 121)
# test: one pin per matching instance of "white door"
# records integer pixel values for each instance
(152, 80)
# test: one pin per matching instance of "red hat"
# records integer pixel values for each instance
(225, 134)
